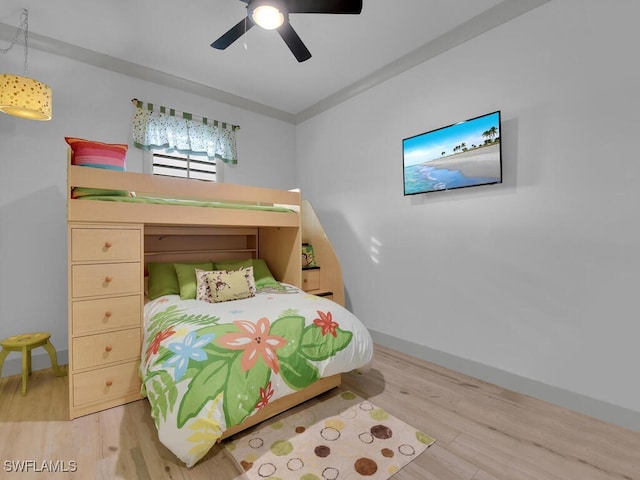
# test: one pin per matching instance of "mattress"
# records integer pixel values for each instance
(184, 202)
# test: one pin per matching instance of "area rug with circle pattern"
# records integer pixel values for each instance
(329, 438)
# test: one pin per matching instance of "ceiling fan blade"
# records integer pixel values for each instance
(233, 34)
(324, 6)
(294, 42)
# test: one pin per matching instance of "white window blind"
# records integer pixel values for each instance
(185, 165)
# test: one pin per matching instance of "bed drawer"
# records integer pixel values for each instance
(310, 279)
(106, 383)
(106, 279)
(105, 245)
(104, 348)
(91, 316)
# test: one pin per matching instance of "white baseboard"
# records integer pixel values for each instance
(580, 403)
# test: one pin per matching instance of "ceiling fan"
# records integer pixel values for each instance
(274, 15)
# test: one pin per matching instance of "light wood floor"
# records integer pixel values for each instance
(483, 432)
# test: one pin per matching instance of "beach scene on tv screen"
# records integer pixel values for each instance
(462, 155)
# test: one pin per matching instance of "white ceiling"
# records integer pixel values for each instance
(350, 52)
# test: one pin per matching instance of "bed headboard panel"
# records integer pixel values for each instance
(278, 246)
(193, 244)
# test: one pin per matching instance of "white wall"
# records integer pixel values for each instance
(91, 103)
(537, 277)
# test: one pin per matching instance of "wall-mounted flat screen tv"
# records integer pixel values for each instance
(466, 154)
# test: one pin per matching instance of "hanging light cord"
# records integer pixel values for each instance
(244, 38)
(24, 27)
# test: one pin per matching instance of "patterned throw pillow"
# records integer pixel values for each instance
(203, 291)
(225, 285)
(88, 153)
(261, 273)
(97, 154)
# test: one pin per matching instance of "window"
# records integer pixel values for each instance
(185, 165)
(154, 128)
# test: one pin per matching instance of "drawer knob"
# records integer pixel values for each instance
(107, 348)
(108, 279)
(108, 383)
(107, 244)
(107, 314)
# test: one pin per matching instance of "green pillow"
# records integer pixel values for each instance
(162, 280)
(233, 264)
(78, 192)
(261, 272)
(186, 273)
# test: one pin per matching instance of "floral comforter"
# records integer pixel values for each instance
(208, 366)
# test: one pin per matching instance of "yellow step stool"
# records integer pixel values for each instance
(25, 343)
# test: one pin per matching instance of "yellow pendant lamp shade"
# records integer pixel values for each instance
(25, 97)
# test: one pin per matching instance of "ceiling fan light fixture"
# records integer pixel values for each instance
(267, 14)
(274, 14)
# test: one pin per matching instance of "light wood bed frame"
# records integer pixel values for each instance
(278, 232)
(185, 233)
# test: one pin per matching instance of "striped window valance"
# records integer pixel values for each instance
(155, 126)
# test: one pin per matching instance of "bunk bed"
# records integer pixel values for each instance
(125, 345)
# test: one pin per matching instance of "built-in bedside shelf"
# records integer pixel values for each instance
(311, 282)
